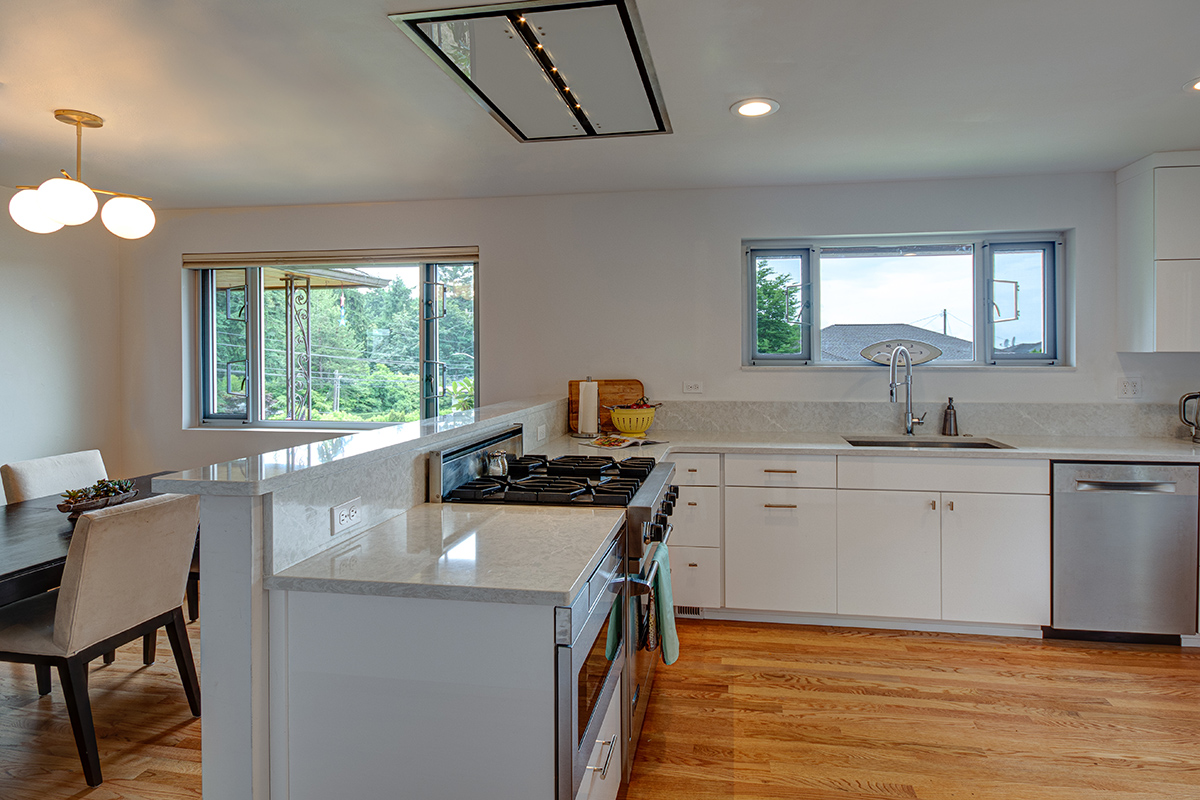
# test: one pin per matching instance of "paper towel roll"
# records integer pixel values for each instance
(589, 407)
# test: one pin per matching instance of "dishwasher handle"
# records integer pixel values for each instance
(1137, 487)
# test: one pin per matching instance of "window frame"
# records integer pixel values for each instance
(986, 245)
(206, 267)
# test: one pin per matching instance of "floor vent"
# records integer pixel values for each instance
(689, 611)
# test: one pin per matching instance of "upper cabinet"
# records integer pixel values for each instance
(1158, 252)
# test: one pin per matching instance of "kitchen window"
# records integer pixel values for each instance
(976, 300)
(347, 339)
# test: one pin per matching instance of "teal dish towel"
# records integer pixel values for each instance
(668, 638)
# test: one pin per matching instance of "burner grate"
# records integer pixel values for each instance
(581, 466)
(543, 489)
(478, 489)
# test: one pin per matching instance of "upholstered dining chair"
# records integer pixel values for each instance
(39, 477)
(125, 576)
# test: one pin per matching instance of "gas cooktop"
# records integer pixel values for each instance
(566, 480)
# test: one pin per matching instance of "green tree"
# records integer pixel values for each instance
(776, 334)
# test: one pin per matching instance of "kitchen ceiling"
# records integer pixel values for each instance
(231, 103)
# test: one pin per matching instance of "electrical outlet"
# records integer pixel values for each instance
(541, 433)
(1129, 388)
(345, 516)
(693, 387)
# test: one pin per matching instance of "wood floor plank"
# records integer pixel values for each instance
(148, 739)
(762, 711)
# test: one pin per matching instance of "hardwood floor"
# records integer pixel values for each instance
(149, 741)
(781, 711)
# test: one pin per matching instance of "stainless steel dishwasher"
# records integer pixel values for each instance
(1124, 547)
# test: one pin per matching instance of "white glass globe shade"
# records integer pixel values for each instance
(67, 201)
(26, 211)
(127, 217)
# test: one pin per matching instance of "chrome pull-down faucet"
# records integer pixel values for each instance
(909, 419)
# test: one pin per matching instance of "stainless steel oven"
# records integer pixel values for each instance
(589, 660)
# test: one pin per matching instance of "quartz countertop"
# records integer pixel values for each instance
(544, 554)
(477, 552)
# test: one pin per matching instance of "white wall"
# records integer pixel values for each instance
(645, 284)
(60, 354)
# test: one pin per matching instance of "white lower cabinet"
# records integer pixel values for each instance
(695, 576)
(781, 549)
(968, 557)
(888, 554)
(996, 558)
(600, 783)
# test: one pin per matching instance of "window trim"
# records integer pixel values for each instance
(204, 265)
(985, 245)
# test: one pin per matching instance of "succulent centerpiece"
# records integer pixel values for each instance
(103, 492)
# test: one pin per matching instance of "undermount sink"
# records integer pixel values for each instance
(921, 442)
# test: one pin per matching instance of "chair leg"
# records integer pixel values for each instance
(182, 648)
(73, 674)
(193, 597)
(110, 656)
(43, 678)
(149, 648)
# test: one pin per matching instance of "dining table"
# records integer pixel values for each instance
(34, 539)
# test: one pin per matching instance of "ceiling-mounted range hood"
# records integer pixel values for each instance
(548, 70)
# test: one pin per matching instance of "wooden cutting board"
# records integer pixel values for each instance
(612, 393)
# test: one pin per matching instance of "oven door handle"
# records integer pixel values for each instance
(639, 586)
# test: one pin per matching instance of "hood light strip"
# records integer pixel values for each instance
(524, 29)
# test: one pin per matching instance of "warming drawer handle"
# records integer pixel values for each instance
(1159, 487)
(612, 746)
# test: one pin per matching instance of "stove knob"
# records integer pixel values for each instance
(656, 532)
(672, 494)
(668, 507)
(660, 520)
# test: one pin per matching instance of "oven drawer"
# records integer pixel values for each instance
(599, 784)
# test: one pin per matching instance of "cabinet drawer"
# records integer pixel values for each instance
(595, 787)
(697, 469)
(697, 517)
(815, 472)
(917, 474)
(696, 576)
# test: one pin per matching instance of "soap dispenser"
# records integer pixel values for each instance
(950, 420)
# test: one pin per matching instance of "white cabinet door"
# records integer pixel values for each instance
(1176, 200)
(996, 558)
(889, 554)
(597, 783)
(697, 469)
(1177, 306)
(781, 549)
(697, 517)
(695, 576)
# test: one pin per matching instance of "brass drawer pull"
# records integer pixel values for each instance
(693, 564)
(782, 471)
(691, 469)
(691, 503)
(779, 505)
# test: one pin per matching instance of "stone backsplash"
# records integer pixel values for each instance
(1156, 420)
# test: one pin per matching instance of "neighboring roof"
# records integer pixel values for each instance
(845, 342)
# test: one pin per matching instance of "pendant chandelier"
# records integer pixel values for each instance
(70, 201)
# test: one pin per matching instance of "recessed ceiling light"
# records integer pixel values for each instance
(1193, 85)
(754, 107)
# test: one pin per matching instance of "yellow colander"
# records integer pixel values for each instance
(632, 421)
